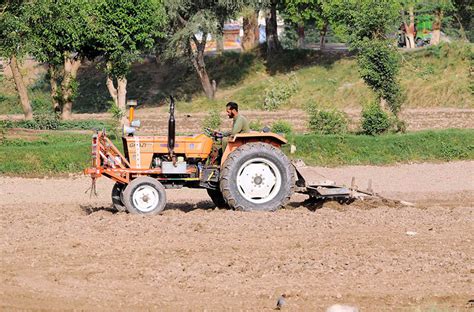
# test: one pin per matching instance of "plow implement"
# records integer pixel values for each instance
(328, 190)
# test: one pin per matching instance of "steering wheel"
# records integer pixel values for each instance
(213, 133)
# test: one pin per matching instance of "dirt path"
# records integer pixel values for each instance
(61, 249)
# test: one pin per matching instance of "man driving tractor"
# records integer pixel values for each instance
(239, 125)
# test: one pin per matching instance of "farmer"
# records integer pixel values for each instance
(239, 125)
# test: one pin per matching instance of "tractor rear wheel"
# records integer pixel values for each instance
(257, 177)
(117, 192)
(217, 198)
(145, 196)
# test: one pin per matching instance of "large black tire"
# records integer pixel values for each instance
(145, 196)
(217, 198)
(244, 173)
(117, 192)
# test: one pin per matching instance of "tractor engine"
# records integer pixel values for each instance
(178, 160)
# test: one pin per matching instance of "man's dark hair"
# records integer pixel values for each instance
(233, 105)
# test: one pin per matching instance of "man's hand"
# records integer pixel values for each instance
(217, 134)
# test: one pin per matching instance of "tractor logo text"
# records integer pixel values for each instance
(134, 144)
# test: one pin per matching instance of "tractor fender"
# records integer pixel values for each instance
(243, 138)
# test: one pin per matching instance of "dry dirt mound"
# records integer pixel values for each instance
(63, 250)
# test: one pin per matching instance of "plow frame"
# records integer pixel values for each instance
(108, 161)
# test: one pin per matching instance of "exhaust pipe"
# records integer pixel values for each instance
(171, 131)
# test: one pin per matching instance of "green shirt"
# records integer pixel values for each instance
(240, 125)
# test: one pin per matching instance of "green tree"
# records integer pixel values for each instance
(14, 36)
(463, 16)
(301, 12)
(190, 24)
(365, 24)
(438, 8)
(123, 31)
(61, 38)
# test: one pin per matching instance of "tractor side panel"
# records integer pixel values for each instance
(142, 148)
(140, 152)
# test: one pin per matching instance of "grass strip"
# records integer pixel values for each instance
(59, 153)
(423, 146)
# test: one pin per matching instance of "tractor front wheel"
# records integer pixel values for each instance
(257, 177)
(145, 196)
(217, 198)
(117, 192)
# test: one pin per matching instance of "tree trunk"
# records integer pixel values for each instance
(322, 36)
(410, 30)
(220, 38)
(410, 41)
(200, 67)
(256, 28)
(53, 80)
(220, 44)
(271, 30)
(301, 36)
(436, 34)
(21, 88)
(119, 96)
(198, 63)
(71, 66)
(112, 90)
(122, 99)
(251, 32)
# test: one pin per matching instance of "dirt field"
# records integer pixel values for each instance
(62, 250)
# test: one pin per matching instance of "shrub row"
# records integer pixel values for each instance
(50, 122)
(374, 121)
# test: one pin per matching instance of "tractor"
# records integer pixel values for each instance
(250, 174)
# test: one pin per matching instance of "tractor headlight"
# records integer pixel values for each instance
(135, 123)
(129, 130)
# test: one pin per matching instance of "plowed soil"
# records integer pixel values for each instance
(63, 250)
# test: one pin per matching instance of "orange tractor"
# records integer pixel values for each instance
(252, 173)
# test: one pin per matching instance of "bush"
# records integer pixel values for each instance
(49, 122)
(42, 105)
(3, 133)
(115, 111)
(327, 122)
(212, 120)
(46, 121)
(86, 125)
(279, 92)
(374, 120)
(256, 125)
(379, 64)
(282, 126)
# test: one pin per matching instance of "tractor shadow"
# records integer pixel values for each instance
(310, 204)
(90, 209)
(189, 207)
(207, 205)
(315, 204)
(184, 207)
